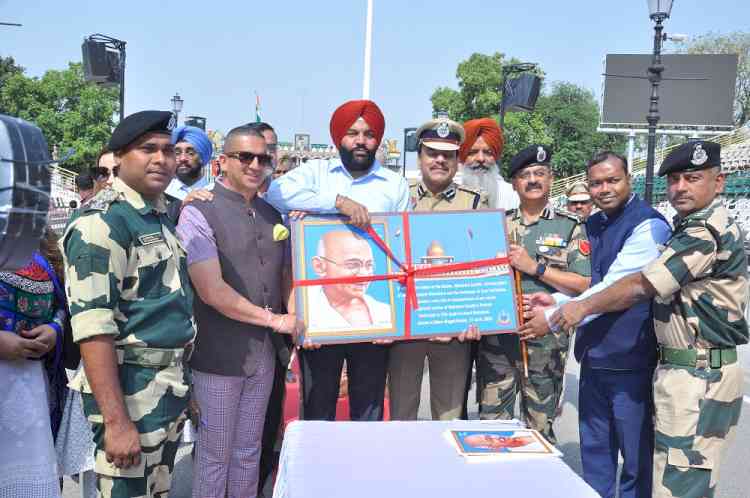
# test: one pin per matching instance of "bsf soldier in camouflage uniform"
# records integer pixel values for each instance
(700, 287)
(131, 306)
(550, 249)
(449, 359)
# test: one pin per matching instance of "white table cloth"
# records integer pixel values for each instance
(409, 459)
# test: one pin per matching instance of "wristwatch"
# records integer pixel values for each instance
(540, 269)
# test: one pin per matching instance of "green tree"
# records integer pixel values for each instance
(8, 68)
(733, 43)
(571, 116)
(71, 112)
(565, 118)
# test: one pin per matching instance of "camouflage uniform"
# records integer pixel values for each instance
(701, 283)
(558, 239)
(126, 276)
(449, 363)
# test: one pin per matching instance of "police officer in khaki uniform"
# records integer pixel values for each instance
(699, 285)
(131, 307)
(438, 144)
(550, 249)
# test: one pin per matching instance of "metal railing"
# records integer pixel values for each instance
(729, 161)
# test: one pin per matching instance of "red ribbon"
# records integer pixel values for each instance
(408, 274)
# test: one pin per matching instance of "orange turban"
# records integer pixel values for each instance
(486, 128)
(345, 116)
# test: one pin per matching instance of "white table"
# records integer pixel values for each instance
(409, 459)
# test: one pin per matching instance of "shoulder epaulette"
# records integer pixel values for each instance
(413, 183)
(568, 214)
(469, 190)
(102, 200)
(511, 212)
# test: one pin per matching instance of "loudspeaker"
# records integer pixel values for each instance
(521, 93)
(96, 66)
(410, 144)
(100, 65)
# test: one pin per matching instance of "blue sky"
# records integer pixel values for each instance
(306, 58)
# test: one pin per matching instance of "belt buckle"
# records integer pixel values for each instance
(702, 359)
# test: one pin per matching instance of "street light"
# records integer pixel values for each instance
(658, 10)
(177, 106)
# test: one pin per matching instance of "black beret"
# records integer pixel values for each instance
(140, 123)
(692, 156)
(533, 154)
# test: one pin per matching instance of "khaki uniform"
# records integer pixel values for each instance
(448, 362)
(558, 239)
(126, 277)
(701, 283)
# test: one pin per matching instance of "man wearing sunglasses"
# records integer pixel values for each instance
(352, 187)
(239, 265)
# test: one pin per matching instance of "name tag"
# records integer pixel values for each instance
(150, 238)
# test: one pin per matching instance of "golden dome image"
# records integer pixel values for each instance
(435, 249)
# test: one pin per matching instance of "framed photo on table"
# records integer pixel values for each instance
(409, 276)
(518, 441)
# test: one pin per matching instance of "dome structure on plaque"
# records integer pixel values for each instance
(435, 249)
(436, 255)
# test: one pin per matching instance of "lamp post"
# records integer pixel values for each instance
(659, 10)
(177, 106)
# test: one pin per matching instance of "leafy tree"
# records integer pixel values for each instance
(571, 115)
(732, 43)
(71, 112)
(565, 118)
(8, 68)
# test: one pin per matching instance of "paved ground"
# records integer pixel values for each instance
(734, 481)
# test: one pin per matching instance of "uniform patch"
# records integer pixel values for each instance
(150, 238)
(584, 246)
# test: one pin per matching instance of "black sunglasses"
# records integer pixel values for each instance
(249, 157)
(100, 173)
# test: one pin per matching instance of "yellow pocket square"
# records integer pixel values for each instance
(280, 232)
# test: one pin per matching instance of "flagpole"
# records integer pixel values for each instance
(368, 52)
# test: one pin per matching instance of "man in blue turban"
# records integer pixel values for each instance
(193, 150)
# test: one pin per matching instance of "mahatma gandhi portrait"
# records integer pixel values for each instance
(345, 306)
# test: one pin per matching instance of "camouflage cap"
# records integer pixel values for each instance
(692, 156)
(140, 123)
(531, 155)
(578, 192)
(441, 134)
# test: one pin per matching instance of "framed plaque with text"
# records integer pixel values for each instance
(408, 276)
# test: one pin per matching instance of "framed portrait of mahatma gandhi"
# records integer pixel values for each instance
(408, 276)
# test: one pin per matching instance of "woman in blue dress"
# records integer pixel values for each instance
(32, 380)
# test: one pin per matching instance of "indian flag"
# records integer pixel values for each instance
(258, 119)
